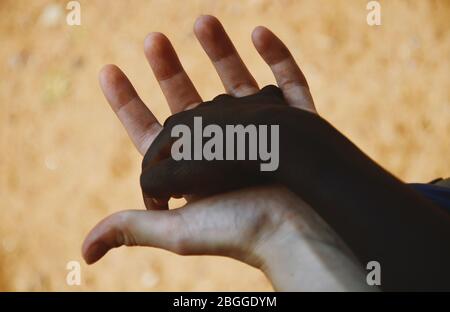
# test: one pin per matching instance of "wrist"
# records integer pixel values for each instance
(303, 254)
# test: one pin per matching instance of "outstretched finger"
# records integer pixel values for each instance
(141, 125)
(235, 76)
(286, 71)
(176, 85)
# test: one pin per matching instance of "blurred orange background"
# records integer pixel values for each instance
(66, 162)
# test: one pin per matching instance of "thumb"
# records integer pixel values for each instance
(158, 228)
(205, 227)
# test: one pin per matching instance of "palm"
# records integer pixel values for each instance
(223, 224)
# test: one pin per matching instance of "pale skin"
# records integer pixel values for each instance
(266, 227)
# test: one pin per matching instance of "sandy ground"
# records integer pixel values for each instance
(66, 161)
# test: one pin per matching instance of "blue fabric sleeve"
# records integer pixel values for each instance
(440, 195)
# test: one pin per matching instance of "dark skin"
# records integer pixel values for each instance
(294, 245)
(378, 217)
(267, 227)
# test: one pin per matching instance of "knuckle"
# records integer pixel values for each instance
(124, 223)
(181, 240)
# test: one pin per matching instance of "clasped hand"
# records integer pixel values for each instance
(265, 226)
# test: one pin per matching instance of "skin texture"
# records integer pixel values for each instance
(251, 225)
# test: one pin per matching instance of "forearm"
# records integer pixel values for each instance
(376, 215)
